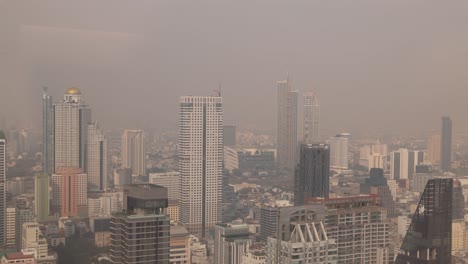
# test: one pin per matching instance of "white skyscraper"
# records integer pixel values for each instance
(286, 134)
(96, 157)
(339, 151)
(72, 116)
(311, 119)
(200, 162)
(133, 151)
(3, 156)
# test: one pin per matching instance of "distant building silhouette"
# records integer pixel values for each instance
(446, 144)
(286, 136)
(310, 122)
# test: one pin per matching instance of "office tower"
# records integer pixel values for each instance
(41, 197)
(311, 119)
(446, 144)
(3, 157)
(458, 201)
(69, 192)
(122, 177)
(231, 242)
(104, 203)
(286, 136)
(403, 163)
(360, 227)
(47, 133)
(10, 227)
(170, 180)
(144, 207)
(312, 177)
(308, 243)
(433, 149)
(268, 222)
(71, 117)
(133, 151)
(429, 237)
(257, 160)
(24, 214)
(179, 245)
(96, 157)
(339, 151)
(229, 136)
(201, 162)
(33, 239)
(399, 164)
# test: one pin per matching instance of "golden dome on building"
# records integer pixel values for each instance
(73, 90)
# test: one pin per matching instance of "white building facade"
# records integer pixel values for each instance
(201, 162)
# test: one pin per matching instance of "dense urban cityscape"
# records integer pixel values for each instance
(203, 132)
(212, 193)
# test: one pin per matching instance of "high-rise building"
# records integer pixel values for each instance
(3, 157)
(339, 151)
(403, 163)
(310, 121)
(141, 234)
(72, 117)
(229, 136)
(41, 197)
(24, 214)
(96, 157)
(378, 184)
(133, 151)
(231, 159)
(433, 149)
(201, 162)
(308, 243)
(312, 177)
(10, 227)
(286, 135)
(429, 236)
(360, 227)
(231, 242)
(458, 201)
(69, 192)
(48, 132)
(446, 144)
(170, 180)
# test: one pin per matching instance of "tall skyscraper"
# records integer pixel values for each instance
(446, 144)
(24, 214)
(41, 197)
(69, 192)
(170, 180)
(312, 177)
(339, 151)
(311, 119)
(10, 227)
(47, 133)
(429, 236)
(144, 207)
(3, 156)
(201, 162)
(133, 151)
(72, 117)
(433, 149)
(286, 133)
(231, 242)
(96, 157)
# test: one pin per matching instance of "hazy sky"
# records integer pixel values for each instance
(377, 66)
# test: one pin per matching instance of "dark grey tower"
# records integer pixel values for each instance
(312, 177)
(446, 144)
(429, 236)
(48, 143)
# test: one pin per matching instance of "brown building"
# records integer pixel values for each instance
(433, 149)
(69, 192)
(179, 245)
